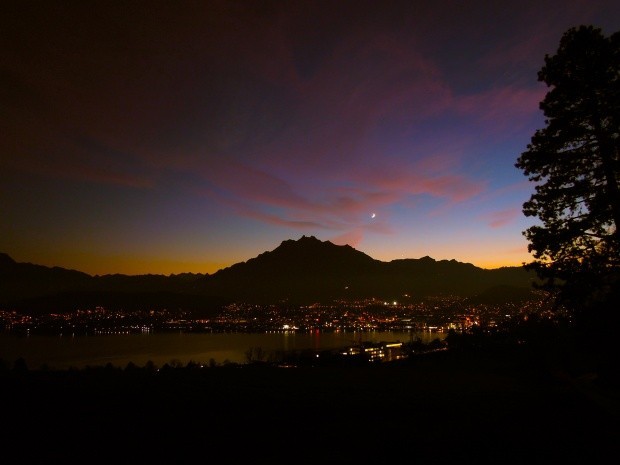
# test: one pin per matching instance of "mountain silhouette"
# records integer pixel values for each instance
(300, 271)
(310, 270)
(26, 280)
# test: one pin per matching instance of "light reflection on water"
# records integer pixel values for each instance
(160, 348)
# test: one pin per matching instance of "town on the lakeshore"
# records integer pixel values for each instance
(439, 314)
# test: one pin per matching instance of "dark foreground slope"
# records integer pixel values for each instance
(441, 408)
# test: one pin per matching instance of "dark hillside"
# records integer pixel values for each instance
(20, 280)
(502, 294)
(505, 408)
(310, 270)
(304, 271)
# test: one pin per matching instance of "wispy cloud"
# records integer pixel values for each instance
(502, 218)
(352, 238)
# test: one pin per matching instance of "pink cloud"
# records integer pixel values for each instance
(501, 218)
(352, 238)
(332, 206)
(500, 108)
(329, 164)
(403, 179)
(277, 221)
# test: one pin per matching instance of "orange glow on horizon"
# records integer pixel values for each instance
(102, 264)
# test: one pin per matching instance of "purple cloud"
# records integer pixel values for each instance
(498, 219)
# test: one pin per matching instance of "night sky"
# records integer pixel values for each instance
(168, 137)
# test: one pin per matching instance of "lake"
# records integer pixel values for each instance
(62, 352)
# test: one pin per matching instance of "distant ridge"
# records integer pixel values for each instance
(297, 271)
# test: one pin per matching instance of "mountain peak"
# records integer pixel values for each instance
(312, 245)
(305, 255)
(304, 239)
(5, 259)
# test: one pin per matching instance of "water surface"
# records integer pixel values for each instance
(62, 352)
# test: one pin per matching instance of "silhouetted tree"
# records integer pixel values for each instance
(150, 367)
(192, 365)
(131, 367)
(575, 162)
(176, 363)
(249, 354)
(255, 354)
